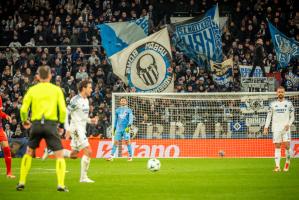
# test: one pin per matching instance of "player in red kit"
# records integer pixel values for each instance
(4, 143)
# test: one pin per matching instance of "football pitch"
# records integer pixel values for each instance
(177, 179)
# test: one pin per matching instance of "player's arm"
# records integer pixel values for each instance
(73, 105)
(3, 115)
(67, 125)
(131, 117)
(268, 120)
(66, 121)
(61, 107)
(93, 120)
(291, 117)
(70, 108)
(25, 108)
(115, 121)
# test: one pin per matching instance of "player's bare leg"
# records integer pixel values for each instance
(70, 154)
(288, 157)
(7, 158)
(277, 157)
(85, 161)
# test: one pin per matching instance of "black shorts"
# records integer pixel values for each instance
(47, 131)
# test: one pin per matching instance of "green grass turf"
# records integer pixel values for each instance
(177, 179)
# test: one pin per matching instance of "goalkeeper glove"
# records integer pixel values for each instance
(128, 129)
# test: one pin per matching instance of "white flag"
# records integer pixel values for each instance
(146, 64)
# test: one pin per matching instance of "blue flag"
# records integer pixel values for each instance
(200, 38)
(285, 48)
(119, 35)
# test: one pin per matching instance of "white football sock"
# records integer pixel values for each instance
(277, 157)
(84, 166)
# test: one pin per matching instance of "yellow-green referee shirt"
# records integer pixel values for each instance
(44, 99)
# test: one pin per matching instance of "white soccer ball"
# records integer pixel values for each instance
(153, 164)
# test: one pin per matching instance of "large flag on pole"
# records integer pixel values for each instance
(117, 36)
(285, 48)
(146, 65)
(200, 37)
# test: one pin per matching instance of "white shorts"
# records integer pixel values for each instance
(79, 140)
(282, 136)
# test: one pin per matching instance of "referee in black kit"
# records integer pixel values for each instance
(47, 104)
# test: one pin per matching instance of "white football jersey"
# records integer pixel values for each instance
(281, 113)
(78, 110)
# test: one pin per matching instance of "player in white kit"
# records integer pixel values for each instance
(78, 109)
(281, 112)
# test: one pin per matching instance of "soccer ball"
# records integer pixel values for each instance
(153, 164)
(221, 153)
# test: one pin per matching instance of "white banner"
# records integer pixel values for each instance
(146, 64)
(258, 84)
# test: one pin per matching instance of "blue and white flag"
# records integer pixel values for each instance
(146, 64)
(222, 72)
(200, 37)
(285, 48)
(119, 35)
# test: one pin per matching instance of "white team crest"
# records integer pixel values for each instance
(146, 64)
(149, 68)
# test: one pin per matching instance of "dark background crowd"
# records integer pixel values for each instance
(63, 35)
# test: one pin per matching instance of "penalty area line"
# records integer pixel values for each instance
(36, 171)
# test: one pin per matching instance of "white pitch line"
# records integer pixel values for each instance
(38, 171)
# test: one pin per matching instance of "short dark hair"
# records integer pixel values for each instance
(83, 84)
(44, 71)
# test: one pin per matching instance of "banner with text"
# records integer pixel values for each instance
(180, 148)
(200, 37)
(146, 64)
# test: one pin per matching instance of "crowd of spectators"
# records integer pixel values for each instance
(63, 35)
